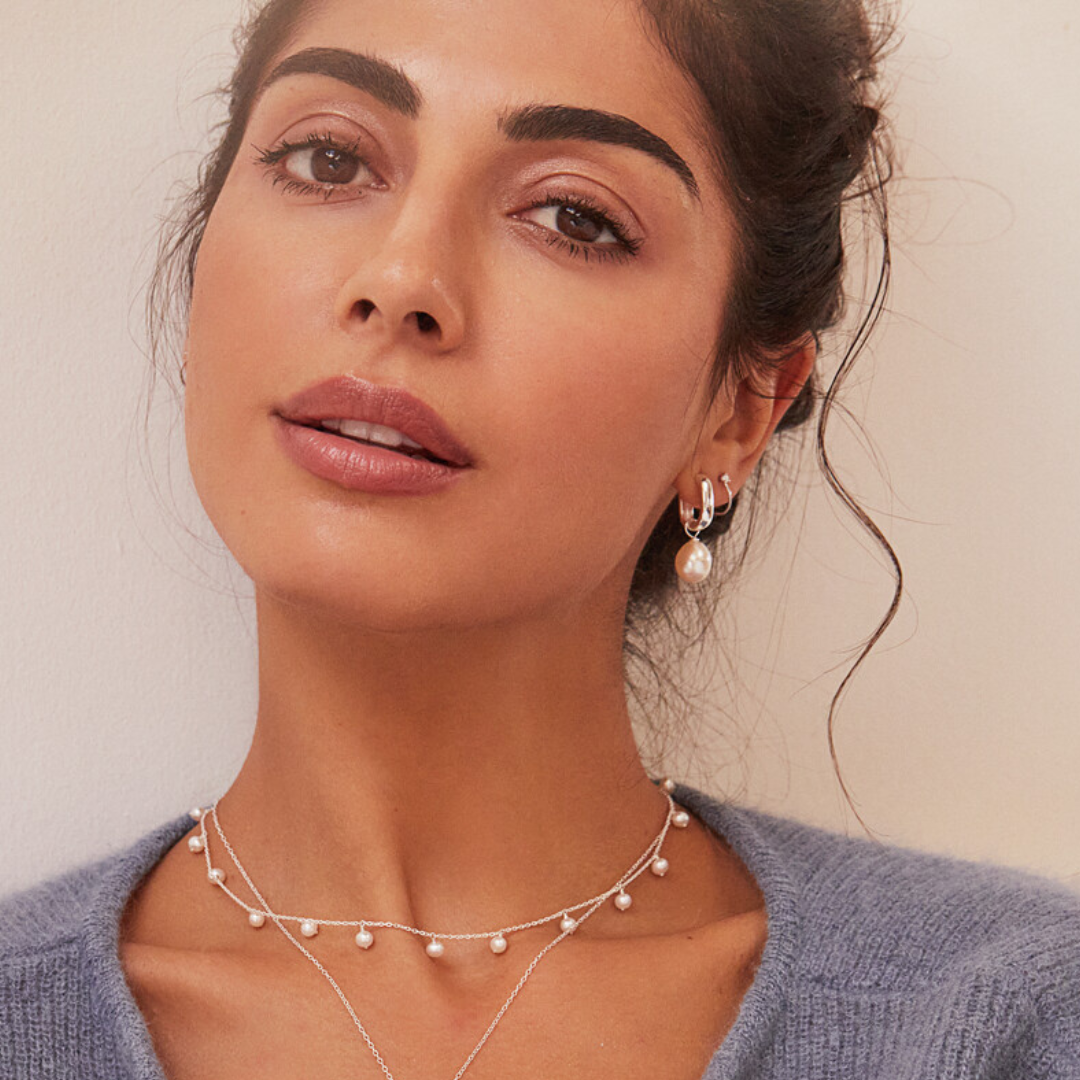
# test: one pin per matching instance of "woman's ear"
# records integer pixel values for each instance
(742, 419)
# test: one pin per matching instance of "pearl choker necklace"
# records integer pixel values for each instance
(568, 921)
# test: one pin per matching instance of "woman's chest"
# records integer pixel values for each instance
(637, 1009)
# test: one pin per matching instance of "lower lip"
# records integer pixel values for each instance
(359, 466)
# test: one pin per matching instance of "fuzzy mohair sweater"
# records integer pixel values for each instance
(881, 964)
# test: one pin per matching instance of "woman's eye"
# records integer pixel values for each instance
(326, 165)
(320, 165)
(581, 227)
(572, 222)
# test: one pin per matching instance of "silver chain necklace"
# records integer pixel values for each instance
(650, 859)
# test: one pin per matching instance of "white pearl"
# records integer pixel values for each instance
(364, 938)
(623, 901)
(195, 844)
(434, 949)
(668, 784)
(498, 945)
(197, 813)
(660, 867)
(680, 819)
(566, 923)
(693, 563)
(256, 918)
(309, 928)
(217, 876)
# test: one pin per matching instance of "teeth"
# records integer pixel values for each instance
(372, 433)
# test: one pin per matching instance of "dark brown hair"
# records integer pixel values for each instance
(790, 112)
(788, 90)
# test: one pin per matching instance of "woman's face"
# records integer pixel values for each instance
(550, 283)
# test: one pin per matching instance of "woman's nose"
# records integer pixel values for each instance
(407, 288)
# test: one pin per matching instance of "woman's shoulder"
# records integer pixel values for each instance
(861, 919)
(861, 875)
(47, 915)
(915, 909)
(52, 913)
(63, 1002)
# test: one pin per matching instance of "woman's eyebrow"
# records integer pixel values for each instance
(376, 77)
(395, 89)
(541, 122)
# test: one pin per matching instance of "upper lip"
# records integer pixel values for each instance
(346, 397)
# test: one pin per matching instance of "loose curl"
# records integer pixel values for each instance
(792, 113)
(788, 106)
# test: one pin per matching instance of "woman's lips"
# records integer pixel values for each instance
(365, 466)
(349, 398)
(361, 466)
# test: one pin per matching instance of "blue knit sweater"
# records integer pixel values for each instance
(880, 964)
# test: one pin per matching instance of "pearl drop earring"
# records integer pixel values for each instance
(694, 560)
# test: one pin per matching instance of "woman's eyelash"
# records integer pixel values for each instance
(625, 247)
(271, 159)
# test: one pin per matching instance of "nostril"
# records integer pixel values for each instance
(363, 308)
(425, 322)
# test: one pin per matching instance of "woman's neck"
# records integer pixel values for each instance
(456, 779)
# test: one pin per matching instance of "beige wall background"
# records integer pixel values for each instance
(127, 638)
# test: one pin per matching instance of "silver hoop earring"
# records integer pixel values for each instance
(726, 481)
(694, 560)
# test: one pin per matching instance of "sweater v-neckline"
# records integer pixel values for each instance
(744, 831)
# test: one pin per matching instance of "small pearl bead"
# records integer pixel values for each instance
(434, 949)
(195, 844)
(668, 784)
(693, 563)
(256, 918)
(309, 928)
(197, 813)
(623, 901)
(660, 867)
(217, 876)
(680, 819)
(364, 938)
(498, 945)
(566, 923)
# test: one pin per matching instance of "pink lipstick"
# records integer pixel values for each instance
(366, 437)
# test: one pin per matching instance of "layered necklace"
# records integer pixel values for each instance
(568, 918)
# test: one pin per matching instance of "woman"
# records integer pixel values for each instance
(495, 309)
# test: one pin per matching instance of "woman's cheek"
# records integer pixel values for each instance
(595, 441)
(229, 360)
(626, 386)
